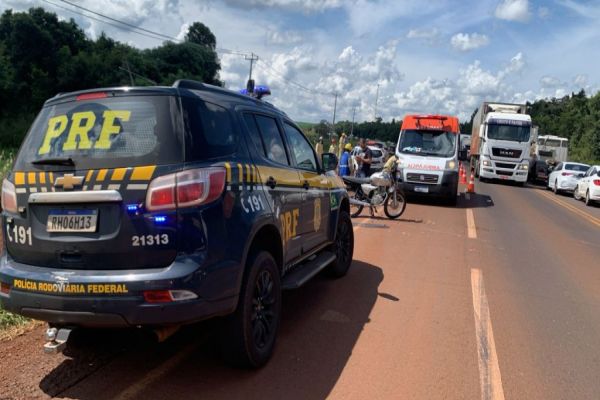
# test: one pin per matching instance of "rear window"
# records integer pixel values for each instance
(577, 167)
(105, 133)
(376, 153)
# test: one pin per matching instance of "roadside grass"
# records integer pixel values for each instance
(8, 321)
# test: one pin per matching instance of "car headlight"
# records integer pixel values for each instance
(524, 167)
(486, 163)
(450, 164)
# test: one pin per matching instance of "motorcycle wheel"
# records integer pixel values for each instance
(394, 205)
(355, 210)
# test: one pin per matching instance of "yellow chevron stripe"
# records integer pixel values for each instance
(88, 177)
(248, 174)
(51, 177)
(101, 175)
(241, 172)
(256, 178)
(228, 171)
(42, 178)
(143, 173)
(119, 174)
(19, 178)
(31, 178)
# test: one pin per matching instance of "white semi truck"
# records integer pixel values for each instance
(501, 142)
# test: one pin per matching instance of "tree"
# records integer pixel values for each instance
(200, 34)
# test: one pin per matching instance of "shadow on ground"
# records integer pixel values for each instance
(321, 325)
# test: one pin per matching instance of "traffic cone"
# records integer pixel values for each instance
(471, 185)
(463, 175)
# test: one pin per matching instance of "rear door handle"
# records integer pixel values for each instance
(271, 182)
(305, 185)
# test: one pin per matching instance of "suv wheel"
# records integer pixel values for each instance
(555, 188)
(588, 201)
(343, 248)
(576, 195)
(250, 332)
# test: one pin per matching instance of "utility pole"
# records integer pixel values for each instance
(352, 126)
(334, 110)
(130, 74)
(253, 57)
(376, 100)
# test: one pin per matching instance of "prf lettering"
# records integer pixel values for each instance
(289, 223)
(81, 124)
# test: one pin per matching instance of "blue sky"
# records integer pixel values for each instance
(438, 56)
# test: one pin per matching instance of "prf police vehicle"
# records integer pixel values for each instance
(161, 206)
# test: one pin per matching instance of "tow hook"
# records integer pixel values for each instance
(57, 340)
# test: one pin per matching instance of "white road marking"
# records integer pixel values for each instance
(489, 370)
(471, 229)
(135, 389)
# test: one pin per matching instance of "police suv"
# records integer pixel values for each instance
(162, 206)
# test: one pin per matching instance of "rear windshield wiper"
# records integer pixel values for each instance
(68, 161)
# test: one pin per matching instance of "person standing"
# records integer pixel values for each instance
(344, 167)
(332, 147)
(319, 147)
(342, 145)
(365, 158)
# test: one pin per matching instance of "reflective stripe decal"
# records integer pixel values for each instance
(88, 177)
(228, 169)
(31, 178)
(101, 175)
(137, 186)
(42, 178)
(19, 178)
(143, 173)
(241, 173)
(119, 174)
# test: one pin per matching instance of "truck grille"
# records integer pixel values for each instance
(507, 173)
(421, 178)
(508, 153)
(505, 165)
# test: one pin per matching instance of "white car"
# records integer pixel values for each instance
(565, 175)
(376, 157)
(588, 187)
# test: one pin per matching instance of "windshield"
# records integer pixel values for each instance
(427, 142)
(513, 131)
(577, 167)
(104, 133)
(550, 143)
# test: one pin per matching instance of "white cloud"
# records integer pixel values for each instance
(425, 35)
(283, 37)
(550, 82)
(468, 42)
(513, 10)
(306, 6)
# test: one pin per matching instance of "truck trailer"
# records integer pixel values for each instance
(501, 142)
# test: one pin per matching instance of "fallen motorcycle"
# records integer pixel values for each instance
(381, 188)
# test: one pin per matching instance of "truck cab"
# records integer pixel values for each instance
(427, 152)
(504, 133)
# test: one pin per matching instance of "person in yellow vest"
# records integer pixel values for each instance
(342, 145)
(332, 146)
(319, 147)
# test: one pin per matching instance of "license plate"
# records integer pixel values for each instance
(422, 189)
(72, 221)
(503, 177)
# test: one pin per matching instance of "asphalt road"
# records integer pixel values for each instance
(496, 298)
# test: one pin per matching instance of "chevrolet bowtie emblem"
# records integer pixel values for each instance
(68, 181)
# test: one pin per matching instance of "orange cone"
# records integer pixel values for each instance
(471, 185)
(463, 175)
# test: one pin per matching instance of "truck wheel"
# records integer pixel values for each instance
(343, 248)
(249, 336)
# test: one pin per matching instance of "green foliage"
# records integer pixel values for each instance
(9, 319)
(41, 56)
(576, 117)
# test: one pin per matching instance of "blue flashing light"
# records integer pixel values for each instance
(132, 207)
(160, 219)
(259, 91)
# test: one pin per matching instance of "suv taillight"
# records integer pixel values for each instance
(9, 197)
(192, 187)
(596, 182)
(567, 174)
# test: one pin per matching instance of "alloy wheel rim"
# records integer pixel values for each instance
(263, 313)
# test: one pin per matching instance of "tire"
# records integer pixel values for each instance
(250, 332)
(555, 188)
(387, 206)
(343, 248)
(588, 201)
(575, 195)
(354, 209)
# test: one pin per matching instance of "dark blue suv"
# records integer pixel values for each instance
(162, 206)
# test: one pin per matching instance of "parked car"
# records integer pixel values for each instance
(538, 171)
(565, 175)
(376, 154)
(588, 187)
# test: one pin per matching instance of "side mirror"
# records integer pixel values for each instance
(329, 161)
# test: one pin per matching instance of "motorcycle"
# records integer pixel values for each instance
(382, 188)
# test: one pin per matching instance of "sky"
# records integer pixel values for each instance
(383, 58)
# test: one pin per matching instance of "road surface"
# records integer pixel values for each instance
(498, 298)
